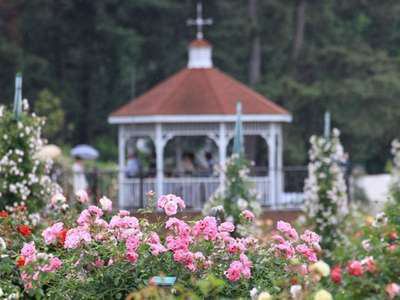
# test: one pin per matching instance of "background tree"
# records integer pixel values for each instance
(96, 55)
(49, 105)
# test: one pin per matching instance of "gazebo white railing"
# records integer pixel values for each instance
(195, 190)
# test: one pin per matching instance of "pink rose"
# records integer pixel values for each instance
(52, 233)
(156, 249)
(355, 268)
(309, 253)
(206, 228)
(185, 257)
(123, 213)
(336, 275)
(52, 266)
(170, 208)
(178, 226)
(278, 238)
(245, 261)
(393, 289)
(76, 236)
(84, 217)
(82, 196)
(235, 246)
(226, 227)
(170, 203)
(288, 230)
(132, 256)
(239, 268)
(310, 237)
(98, 263)
(234, 271)
(369, 264)
(248, 215)
(132, 243)
(287, 249)
(29, 252)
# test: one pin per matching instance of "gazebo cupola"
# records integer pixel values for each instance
(199, 100)
(200, 54)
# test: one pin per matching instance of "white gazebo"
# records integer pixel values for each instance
(199, 100)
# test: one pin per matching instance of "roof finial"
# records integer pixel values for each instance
(199, 22)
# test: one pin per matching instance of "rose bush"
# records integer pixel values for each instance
(100, 254)
(367, 263)
(22, 175)
(235, 200)
(325, 189)
(17, 226)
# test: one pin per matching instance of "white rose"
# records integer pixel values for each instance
(106, 204)
(3, 245)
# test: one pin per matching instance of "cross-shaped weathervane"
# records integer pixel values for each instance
(199, 21)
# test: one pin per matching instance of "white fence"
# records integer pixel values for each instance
(196, 190)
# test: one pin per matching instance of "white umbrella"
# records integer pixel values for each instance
(48, 152)
(85, 152)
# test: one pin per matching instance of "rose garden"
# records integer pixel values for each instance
(59, 248)
(134, 174)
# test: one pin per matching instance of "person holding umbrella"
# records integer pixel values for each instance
(81, 152)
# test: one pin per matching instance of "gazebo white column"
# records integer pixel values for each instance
(159, 145)
(279, 166)
(121, 164)
(222, 143)
(272, 164)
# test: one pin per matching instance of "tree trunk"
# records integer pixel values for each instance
(255, 52)
(300, 15)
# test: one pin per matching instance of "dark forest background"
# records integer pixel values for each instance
(81, 59)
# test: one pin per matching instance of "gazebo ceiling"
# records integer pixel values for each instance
(199, 91)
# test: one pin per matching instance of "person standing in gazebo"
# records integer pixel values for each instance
(132, 166)
(210, 163)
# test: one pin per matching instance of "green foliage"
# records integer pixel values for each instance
(108, 148)
(49, 105)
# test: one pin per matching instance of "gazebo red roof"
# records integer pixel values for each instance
(199, 91)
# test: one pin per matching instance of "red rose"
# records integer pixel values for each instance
(355, 268)
(25, 230)
(62, 235)
(336, 275)
(21, 261)
(3, 214)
